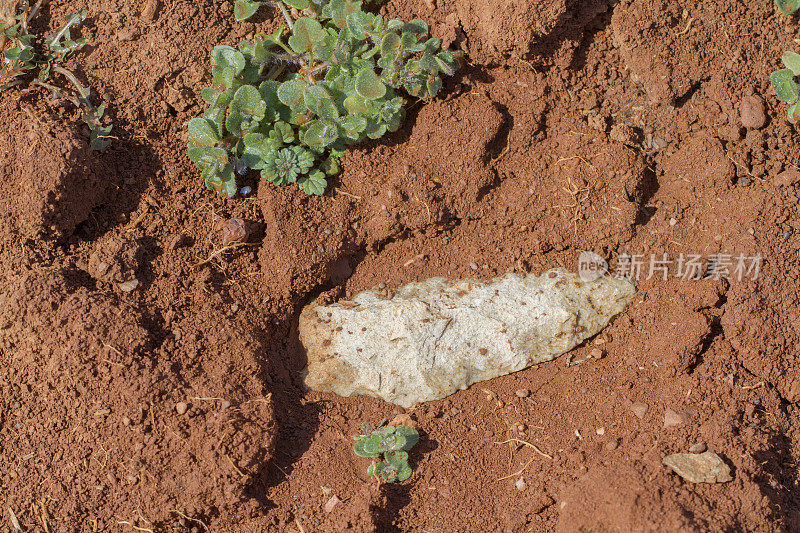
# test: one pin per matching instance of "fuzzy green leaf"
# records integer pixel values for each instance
(244, 9)
(411, 436)
(417, 26)
(361, 452)
(390, 45)
(298, 4)
(313, 184)
(785, 86)
(359, 23)
(396, 458)
(320, 134)
(306, 33)
(202, 133)
(337, 11)
(292, 93)
(227, 57)
(788, 7)
(404, 472)
(369, 85)
(373, 444)
(792, 61)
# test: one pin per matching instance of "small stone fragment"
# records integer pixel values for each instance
(233, 231)
(436, 337)
(700, 447)
(706, 467)
(128, 286)
(612, 445)
(523, 393)
(331, 503)
(639, 409)
(181, 408)
(751, 112)
(597, 353)
(403, 420)
(520, 484)
(673, 418)
(149, 10)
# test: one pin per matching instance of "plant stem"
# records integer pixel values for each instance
(9, 85)
(27, 19)
(83, 91)
(76, 18)
(286, 15)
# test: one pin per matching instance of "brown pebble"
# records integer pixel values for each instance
(597, 353)
(673, 418)
(233, 231)
(126, 421)
(181, 408)
(612, 445)
(751, 112)
(700, 447)
(639, 409)
(149, 11)
(523, 393)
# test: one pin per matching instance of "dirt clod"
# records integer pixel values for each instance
(751, 112)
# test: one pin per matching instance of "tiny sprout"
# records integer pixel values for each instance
(786, 88)
(33, 60)
(288, 104)
(390, 444)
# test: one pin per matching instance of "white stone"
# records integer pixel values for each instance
(436, 337)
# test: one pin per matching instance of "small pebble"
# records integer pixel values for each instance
(181, 408)
(520, 484)
(672, 418)
(473, 266)
(128, 286)
(639, 409)
(246, 190)
(597, 353)
(751, 112)
(612, 445)
(225, 404)
(700, 447)
(126, 421)
(331, 503)
(601, 431)
(523, 393)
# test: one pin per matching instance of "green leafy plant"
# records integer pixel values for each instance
(788, 7)
(786, 88)
(288, 105)
(390, 445)
(34, 60)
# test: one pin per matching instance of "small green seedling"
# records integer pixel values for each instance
(389, 444)
(788, 7)
(289, 105)
(33, 60)
(786, 88)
